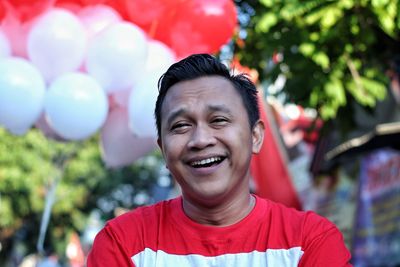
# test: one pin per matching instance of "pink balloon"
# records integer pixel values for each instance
(17, 33)
(120, 147)
(121, 98)
(45, 128)
(5, 48)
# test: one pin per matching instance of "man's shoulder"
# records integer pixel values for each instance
(143, 215)
(307, 220)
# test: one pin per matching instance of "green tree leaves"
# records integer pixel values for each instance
(30, 164)
(334, 52)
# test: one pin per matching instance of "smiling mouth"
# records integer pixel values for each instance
(206, 162)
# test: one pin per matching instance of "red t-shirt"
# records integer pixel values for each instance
(270, 235)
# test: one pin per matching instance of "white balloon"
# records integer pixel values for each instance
(144, 94)
(98, 17)
(57, 43)
(141, 105)
(119, 146)
(5, 47)
(22, 91)
(117, 55)
(159, 58)
(76, 106)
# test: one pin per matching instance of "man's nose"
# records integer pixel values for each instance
(202, 136)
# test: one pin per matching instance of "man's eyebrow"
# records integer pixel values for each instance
(174, 114)
(212, 108)
(222, 108)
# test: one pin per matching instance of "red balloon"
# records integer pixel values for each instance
(199, 26)
(75, 5)
(150, 14)
(215, 20)
(185, 40)
(118, 5)
(2, 11)
(72, 5)
(28, 9)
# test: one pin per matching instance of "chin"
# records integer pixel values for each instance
(211, 196)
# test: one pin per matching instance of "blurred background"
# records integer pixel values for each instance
(78, 84)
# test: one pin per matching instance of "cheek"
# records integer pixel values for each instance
(239, 138)
(172, 148)
(241, 145)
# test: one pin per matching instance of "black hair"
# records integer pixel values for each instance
(200, 65)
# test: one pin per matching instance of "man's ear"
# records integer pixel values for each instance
(159, 144)
(258, 136)
(161, 148)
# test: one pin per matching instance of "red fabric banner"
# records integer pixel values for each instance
(268, 168)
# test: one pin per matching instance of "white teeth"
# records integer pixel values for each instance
(205, 161)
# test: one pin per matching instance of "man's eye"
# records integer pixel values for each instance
(180, 125)
(219, 120)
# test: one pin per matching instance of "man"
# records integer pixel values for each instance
(208, 128)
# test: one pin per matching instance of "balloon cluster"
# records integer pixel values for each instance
(75, 67)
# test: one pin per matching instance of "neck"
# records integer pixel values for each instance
(223, 214)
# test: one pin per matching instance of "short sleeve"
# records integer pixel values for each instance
(108, 251)
(323, 244)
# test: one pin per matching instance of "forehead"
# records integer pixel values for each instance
(202, 92)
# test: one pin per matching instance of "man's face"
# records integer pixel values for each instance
(206, 139)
